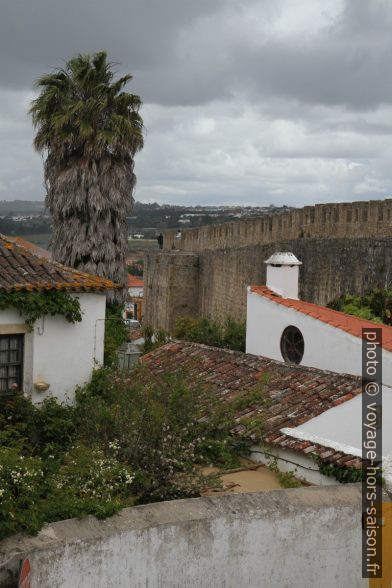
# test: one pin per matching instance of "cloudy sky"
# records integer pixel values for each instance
(245, 101)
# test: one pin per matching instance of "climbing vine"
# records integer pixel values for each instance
(34, 305)
(344, 475)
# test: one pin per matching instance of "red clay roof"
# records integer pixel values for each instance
(340, 320)
(21, 269)
(134, 281)
(290, 396)
(36, 249)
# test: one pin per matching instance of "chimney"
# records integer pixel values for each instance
(283, 274)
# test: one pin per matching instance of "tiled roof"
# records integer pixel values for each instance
(21, 269)
(36, 249)
(340, 320)
(134, 281)
(291, 394)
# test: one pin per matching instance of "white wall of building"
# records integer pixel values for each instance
(326, 347)
(60, 353)
(302, 466)
(65, 354)
(136, 291)
(340, 428)
(283, 280)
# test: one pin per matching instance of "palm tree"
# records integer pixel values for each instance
(89, 130)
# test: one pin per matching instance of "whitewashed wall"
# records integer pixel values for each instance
(299, 538)
(137, 291)
(60, 353)
(326, 347)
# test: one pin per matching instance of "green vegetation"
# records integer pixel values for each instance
(286, 479)
(34, 305)
(342, 474)
(36, 225)
(136, 268)
(229, 334)
(154, 338)
(115, 333)
(375, 306)
(130, 438)
(88, 128)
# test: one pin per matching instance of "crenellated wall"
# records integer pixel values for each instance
(345, 248)
(345, 219)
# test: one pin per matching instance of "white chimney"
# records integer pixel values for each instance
(283, 274)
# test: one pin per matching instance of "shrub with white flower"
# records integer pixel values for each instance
(21, 487)
(88, 472)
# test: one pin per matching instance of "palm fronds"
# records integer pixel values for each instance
(89, 129)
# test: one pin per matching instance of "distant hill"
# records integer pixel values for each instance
(145, 220)
(10, 207)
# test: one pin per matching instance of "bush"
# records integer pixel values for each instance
(48, 430)
(375, 306)
(131, 437)
(116, 333)
(286, 479)
(88, 482)
(230, 334)
(158, 426)
(22, 485)
(154, 338)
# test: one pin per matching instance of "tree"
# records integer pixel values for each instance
(89, 130)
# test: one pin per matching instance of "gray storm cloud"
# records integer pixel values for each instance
(251, 101)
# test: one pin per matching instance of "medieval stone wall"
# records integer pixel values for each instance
(345, 248)
(171, 288)
(345, 219)
(214, 283)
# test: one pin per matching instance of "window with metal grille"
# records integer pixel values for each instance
(292, 345)
(11, 363)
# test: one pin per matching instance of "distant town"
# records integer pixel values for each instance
(25, 218)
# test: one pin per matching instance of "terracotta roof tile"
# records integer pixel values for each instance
(134, 281)
(340, 320)
(22, 269)
(290, 396)
(36, 249)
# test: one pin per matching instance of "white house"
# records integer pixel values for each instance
(309, 360)
(56, 355)
(135, 286)
(133, 308)
(282, 327)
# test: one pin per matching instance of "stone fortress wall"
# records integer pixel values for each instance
(344, 247)
(345, 219)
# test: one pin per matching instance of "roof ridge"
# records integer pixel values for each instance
(250, 356)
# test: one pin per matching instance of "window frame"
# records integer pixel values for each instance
(19, 364)
(292, 329)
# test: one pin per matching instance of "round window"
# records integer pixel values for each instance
(292, 345)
